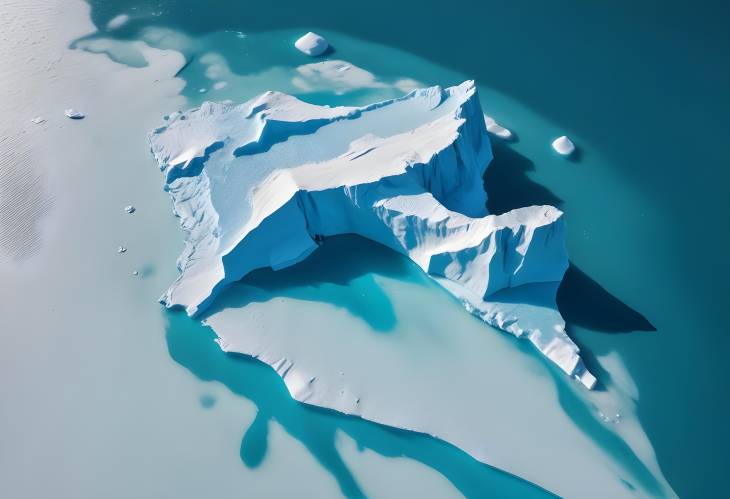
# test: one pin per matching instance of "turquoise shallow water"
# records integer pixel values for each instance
(348, 284)
(642, 90)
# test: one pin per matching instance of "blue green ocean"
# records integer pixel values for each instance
(643, 90)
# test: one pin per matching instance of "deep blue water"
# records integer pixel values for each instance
(643, 89)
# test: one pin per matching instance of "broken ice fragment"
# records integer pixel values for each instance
(38, 120)
(130, 209)
(135, 273)
(117, 22)
(121, 249)
(564, 146)
(74, 114)
(312, 44)
(496, 129)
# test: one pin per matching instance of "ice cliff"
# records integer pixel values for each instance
(259, 184)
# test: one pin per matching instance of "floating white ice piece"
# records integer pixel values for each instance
(563, 145)
(496, 129)
(121, 249)
(117, 22)
(312, 44)
(74, 114)
(130, 209)
(38, 120)
(135, 273)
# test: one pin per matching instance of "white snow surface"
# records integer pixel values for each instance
(312, 44)
(256, 184)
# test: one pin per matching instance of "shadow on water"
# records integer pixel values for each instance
(192, 345)
(581, 300)
(341, 273)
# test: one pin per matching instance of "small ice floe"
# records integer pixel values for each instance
(74, 114)
(117, 22)
(38, 120)
(312, 44)
(496, 129)
(130, 209)
(202, 90)
(121, 249)
(564, 146)
(135, 273)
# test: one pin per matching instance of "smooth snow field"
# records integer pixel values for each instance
(106, 393)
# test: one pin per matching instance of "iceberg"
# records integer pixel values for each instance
(312, 44)
(258, 185)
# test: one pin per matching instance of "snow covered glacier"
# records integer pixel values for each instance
(259, 184)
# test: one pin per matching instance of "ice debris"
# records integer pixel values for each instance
(496, 129)
(74, 114)
(121, 249)
(130, 209)
(117, 22)
(564, 146)
(38, 120)
(312, 44)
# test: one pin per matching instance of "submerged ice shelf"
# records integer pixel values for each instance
(258, 184)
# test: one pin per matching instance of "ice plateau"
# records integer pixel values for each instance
(257, 185)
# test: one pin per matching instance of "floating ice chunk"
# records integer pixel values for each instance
(130, 209)
(496, 129)
(219, 85)
(312, 44)
(121, 249)
(135, 273)
(74, 114)
(564, 146)
(38, 120)
(117, 22)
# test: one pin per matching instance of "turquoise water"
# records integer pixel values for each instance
(344, 285)
(641, 89)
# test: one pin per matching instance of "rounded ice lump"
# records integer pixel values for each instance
(312, 44)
